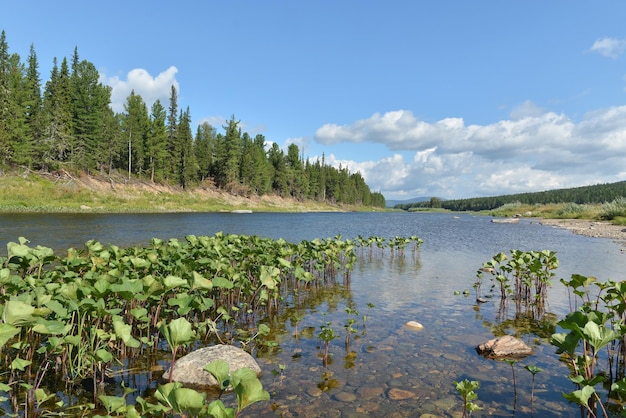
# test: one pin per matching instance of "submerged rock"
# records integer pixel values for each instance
(504, 347)
(189, 369)
(415, 325)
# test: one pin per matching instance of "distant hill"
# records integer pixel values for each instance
(392, 203)
(595, 194)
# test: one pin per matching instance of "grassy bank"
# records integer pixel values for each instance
(65, 192)
(615, 211)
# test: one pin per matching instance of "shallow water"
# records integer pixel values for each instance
(387, 369)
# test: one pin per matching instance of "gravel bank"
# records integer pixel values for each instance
(589, 228)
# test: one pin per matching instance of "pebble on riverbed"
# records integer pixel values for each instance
(414, 325)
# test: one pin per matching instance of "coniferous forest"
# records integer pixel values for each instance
(67, 123)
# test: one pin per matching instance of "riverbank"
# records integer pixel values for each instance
(64, 192)
(589, 228)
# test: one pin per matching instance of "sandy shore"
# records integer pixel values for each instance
(589, 228)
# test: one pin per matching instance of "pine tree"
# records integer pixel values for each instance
(5, 71)
(34, 103)
(276, 158)
(156, 151)
(136, 129)
(172, 135)
(57, 134)
(188, 167)
(204, 149)
(90, 99)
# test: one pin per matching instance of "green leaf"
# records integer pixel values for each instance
(218, 410)
(188, 401)
(178, 332)
(222, 283)
(18, 313)
(20, 364)
(200, 282)
(598, 336)
(248, 388)
(171, 282)
(113, 404)
(7, 331)
(124, 332)
(581, 397)
(220, 370)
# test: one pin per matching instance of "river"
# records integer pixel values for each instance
(387, 359)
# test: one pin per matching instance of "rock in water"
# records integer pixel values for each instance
(415, 325)
(504, 347)
(189, 369)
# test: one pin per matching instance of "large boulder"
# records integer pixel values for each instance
(504, 347)
(189, 369)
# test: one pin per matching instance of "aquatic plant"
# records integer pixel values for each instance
(512, 363)
(533, 370)
(327, 334)
(352, 314)
(524, 275)
(467, 389)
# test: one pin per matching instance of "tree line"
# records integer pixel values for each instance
(595, 194)
(69, 124)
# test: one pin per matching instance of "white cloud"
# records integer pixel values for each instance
(533, 150)
(148, 87)
(609, 47)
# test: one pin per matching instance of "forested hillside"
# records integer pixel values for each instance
(600, 193)
(68, 124)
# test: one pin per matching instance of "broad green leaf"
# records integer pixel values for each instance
(222, 283)
(188, 401)
(171, 282)
(17, 250)
(581, 396)
(598, 336)
(200, 282)
(104, 356)
(7, 331)
(124, 332)
(178, 332)
(218, 410)
(42, 396)
(248, 388)
(45, 326)
(220, 370)
(20, 364)
(113, 404)
(18, 313)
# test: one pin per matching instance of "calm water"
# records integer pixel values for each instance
(366, 378)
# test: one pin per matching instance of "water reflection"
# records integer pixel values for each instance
(389, 369)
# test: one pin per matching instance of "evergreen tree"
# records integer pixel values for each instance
(204, 149)
(136, 129)
(90, 99)
(15, 108)
(34, 103)
(279, 170)
(262, 182)
(187, 166)
(172, 145)
(156, 151)
(57, 117)
(5, 71)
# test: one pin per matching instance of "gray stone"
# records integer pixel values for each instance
(504, 347)
(189, 369)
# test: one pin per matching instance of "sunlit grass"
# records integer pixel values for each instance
(34, 193)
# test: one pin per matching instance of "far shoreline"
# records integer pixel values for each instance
(589, 228)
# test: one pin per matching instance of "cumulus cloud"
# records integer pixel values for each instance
(609, 47)
(144, 84)
(533, 150)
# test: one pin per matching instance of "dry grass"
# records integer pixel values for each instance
(65, 192)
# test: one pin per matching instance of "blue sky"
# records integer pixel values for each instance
(424, 98)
